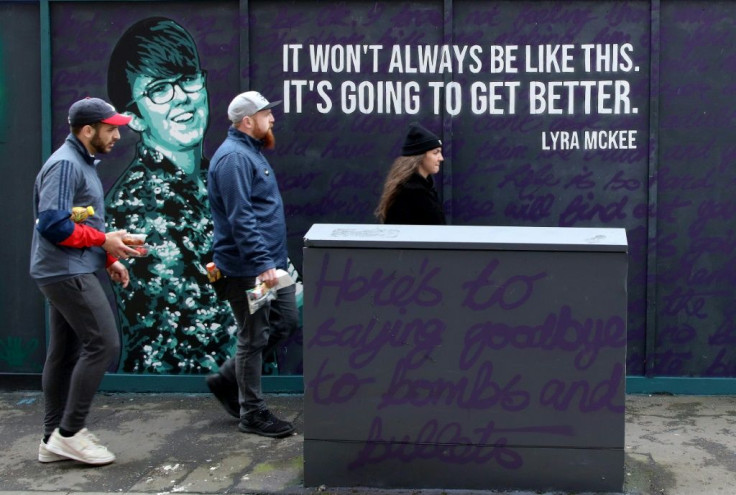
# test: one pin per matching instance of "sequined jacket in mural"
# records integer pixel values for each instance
(170, 318)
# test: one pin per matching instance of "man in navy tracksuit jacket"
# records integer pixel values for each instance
(249, 244)
(65, 256)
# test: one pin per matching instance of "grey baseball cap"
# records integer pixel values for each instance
(247, 104)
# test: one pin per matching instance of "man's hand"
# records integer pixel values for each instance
(115, 247)
(269, 277)
(118, 273)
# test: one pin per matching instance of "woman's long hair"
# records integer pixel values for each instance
(400, 171)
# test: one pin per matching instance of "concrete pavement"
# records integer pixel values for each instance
(185, 443)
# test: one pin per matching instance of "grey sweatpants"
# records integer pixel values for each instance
(83, 340)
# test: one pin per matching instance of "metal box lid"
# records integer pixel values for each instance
(467, 237)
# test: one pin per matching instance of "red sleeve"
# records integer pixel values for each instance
(110, 260)
(84, 236)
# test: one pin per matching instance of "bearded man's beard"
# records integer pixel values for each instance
(269, 140)
(98, 145)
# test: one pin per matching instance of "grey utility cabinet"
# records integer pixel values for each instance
(464, 357)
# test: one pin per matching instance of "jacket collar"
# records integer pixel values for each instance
(76, 144)
(417, 178)
(254, 143)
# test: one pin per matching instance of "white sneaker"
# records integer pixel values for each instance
(45, 455)
(82, 447)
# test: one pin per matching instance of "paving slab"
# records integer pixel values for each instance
(185, 443)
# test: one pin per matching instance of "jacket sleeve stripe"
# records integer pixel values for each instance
(63, 197)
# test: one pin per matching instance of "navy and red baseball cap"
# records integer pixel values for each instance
(92, 110)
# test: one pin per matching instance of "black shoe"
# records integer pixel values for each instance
(226, 392)
(264, 423)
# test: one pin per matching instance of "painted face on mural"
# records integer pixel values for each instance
(173, 112)
(431, 162)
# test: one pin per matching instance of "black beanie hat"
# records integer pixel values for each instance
(419, 140)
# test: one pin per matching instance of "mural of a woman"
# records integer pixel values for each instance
(170, 318)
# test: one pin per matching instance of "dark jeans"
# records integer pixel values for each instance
(83, 341)
(257, 333)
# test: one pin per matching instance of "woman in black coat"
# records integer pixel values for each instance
(409, 196)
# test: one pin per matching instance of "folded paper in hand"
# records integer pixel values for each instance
(259, 295)
(285, 280)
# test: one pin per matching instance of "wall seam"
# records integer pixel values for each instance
(449, 38)
(651, 244)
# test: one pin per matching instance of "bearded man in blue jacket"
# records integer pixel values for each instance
(249, 245)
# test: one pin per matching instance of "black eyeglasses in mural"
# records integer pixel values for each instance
(160, 92)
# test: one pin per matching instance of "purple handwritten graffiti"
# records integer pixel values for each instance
(725, 334)
(383, 288)
(365, 341)
(531, 205)
(485, 292)
(688, 302)
(327, 388)
(560, 395)
(529, 181)
(695, 275)
(668, 362)
(584, 209)
(721, 367)
(449, 444)
(481, 391)
(683, 334)
(712, 210)
(559, 331)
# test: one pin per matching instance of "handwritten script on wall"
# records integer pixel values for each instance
(491, 359)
